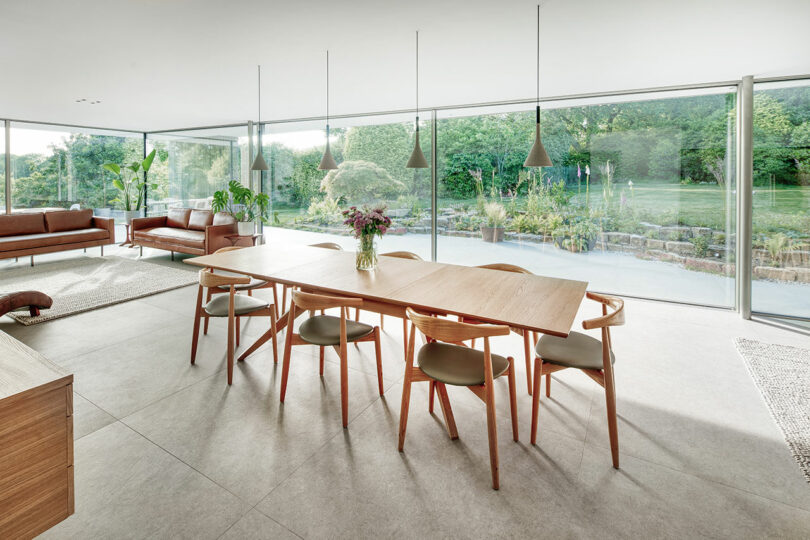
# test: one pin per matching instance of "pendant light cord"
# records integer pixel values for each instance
(260, 94)
(417, 77)
(538, 55)
(327, 89)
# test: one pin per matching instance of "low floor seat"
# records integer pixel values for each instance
(578, 350)
(457, 365)
(218, 307)
(325, 330)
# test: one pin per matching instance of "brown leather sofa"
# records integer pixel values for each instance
(184, 230)
(46, 232)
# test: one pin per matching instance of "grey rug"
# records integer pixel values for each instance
(87, 283)
(782, 374)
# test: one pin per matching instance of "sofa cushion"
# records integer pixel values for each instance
(171, 235)
(200, 219)
(178, 218)
(222, 218)
(28, 241)
(15, 224)
(68, 220)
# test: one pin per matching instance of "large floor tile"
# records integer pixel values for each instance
(87, 417)
(130, 375)
(644, 500)
(126, 487)
(360, 486)
(241, 436)
(256, 526)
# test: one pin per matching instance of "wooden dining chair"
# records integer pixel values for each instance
(446, 360)
(324, 245)
(328, 331)
(231, 306)
(252, 285)
(593, 357)
(398, 255)
(528, 337)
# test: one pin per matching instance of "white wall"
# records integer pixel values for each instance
(158, 64)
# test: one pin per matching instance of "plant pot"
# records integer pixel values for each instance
(244, 228)
(492, 234)
(129, 215)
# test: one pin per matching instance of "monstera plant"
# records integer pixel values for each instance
(243, 204)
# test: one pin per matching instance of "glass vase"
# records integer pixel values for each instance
(367, 252)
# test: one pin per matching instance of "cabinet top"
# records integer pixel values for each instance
(23, 369)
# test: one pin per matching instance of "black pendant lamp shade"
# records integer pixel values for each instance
(259, 164)
(417, 159)
(328, 163)
(538, 157)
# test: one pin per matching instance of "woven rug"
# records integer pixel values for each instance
(782, 375)
(87, 283)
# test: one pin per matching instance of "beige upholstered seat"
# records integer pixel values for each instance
(324, 330)
(218, 307)
(578, 350)
(457, 365)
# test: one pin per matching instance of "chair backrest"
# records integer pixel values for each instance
(506, 267)
(311, 301)
(328, 245)
(402, 255)
(613, 318)
(228, 248)
(209, 279)
(452, 331)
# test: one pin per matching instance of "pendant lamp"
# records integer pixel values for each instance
(259, 164)
(417, 159)
(538, 157)
(327, 161)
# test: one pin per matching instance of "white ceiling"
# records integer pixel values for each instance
(162, 64)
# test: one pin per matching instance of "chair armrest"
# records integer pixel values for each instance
(107, 224)
(148, 222)
(215, 236)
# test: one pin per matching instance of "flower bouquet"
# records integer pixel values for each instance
(367, 223)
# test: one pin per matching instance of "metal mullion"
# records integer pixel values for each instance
(745, 186)
(433, 186)
(7, 180)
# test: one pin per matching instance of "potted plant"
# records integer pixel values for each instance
(242, 204)
(131, 187)
(366, 224)
(576, 237)
(496, 218)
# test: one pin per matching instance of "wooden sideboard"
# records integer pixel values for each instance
(36, 441)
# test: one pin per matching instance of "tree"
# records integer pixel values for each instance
(361, 182)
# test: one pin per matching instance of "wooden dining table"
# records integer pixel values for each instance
(523, 301)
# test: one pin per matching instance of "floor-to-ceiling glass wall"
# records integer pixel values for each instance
(639, 201)
(371, 152)
(781, 199)
(63, 167)
(2, 167)
(192, 165)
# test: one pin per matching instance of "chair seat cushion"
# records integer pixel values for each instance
(28, 241)
(325, 330)
(457, 365)
(254, 283)
(578, 350)
(242, 304)
(170, 235)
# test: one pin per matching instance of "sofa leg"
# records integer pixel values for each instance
(102, 251)
(32, 260)
(85, 250)
(141, 253)
(172, 255)
(33, 311)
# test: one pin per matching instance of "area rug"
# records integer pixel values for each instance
(782, 375)
(87, 283)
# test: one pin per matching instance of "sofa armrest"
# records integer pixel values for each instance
(148, 222)
(215, 236)
(105, 223)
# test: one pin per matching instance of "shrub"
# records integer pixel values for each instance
(496, 214)
(701, 245)
(325, 212)
(361, 182)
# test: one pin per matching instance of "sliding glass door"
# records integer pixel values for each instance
(781, 199)
(640, 199)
